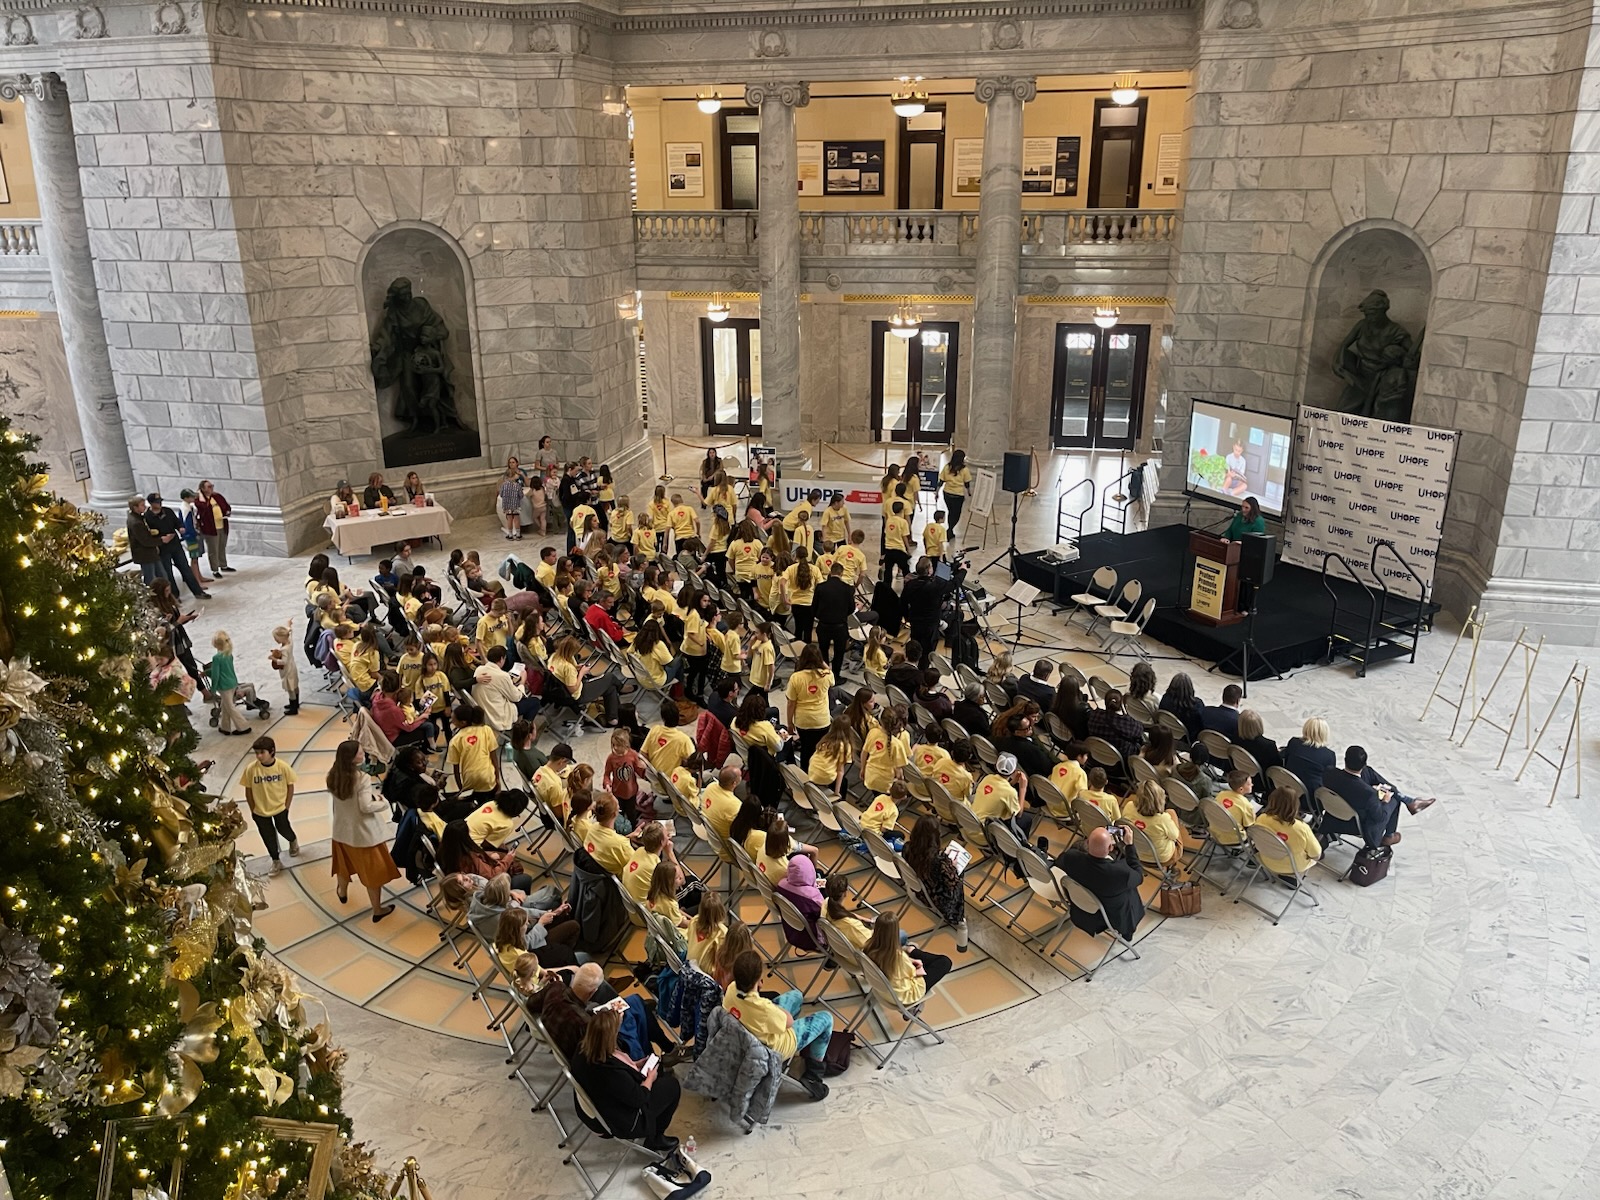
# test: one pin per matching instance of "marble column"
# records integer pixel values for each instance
(65, 242)
(999, 267)
(778, 247)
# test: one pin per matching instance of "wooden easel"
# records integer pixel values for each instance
(1471, 630)
(1577, 679)
(1530, 660)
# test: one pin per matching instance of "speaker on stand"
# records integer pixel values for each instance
(1016, 477)
(1257, 559)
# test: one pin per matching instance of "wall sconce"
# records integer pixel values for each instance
(709, 102)
(909, 100)
(1125, 90)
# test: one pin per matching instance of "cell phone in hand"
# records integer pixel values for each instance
(651, 1063)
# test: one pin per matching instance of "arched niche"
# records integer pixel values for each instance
(415, 428)
(1371, 256)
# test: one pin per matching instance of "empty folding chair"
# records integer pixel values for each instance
(1282, 777)
(1120, 608)
(1242, 760)
(1103, 754)
(1124, 633)
(1101, 585)
(985, 748)
(1045, 881)
(1273, 857)
(954, 728)
(1055, 804)
(1143, 770)
(1070, 671)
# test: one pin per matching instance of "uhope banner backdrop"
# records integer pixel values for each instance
(1358, 481)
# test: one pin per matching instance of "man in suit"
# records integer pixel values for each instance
(1037, 686)
(1110, 869)
(832, 605)
(922, 598)
(970, 713)
(1374, 799)
(1224, 717)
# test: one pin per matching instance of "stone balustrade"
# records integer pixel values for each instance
(19, 239)
(890, 234)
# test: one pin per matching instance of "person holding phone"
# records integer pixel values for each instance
(634, 1099)
(1106, 864)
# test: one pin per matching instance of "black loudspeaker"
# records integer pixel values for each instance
(1017, 475)
(1257, 556)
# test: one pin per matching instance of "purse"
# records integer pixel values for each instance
(1370, 866)
(1178, 898)
(837, 1060)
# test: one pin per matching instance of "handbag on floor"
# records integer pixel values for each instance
(1178, 898)
(1370, 866)
(837, 1060)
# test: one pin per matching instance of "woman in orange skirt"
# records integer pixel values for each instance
(360, 829)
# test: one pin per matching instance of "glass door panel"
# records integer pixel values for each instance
(894, 380)
(730, 362)
(1099, 385)
(933, 401)
(914, 382)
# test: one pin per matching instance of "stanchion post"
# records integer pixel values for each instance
(666, 475)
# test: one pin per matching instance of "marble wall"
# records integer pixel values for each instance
(1449, 121)
(36, 394)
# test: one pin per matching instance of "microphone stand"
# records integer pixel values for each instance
(1009, 554)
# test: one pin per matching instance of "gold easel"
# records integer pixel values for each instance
(1530, 660)
(1578, 679)
(1471, 629)
(411, 1177)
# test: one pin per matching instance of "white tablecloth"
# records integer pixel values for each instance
(358, 535)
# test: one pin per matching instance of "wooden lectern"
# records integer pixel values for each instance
(1214, 585)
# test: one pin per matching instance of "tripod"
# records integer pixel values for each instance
(1249, 647)
(1009, 554)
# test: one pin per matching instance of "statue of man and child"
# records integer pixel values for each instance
(1378, 362)
(408, 354)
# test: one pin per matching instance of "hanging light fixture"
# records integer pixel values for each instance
(1105, 316)
(909, 100)
(1125, 90)
(905, 324)
(717, 310)
(709, 101)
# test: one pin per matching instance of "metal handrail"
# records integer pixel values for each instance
(1119, 510)
(1422, 588)
(1333, 621)
(1063, 516)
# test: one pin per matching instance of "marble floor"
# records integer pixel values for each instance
(1433, 1036)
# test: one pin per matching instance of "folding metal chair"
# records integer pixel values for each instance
(883, 992)
(1242, 760)
(1101, 586)
(593, 1124)
(1272, 856)
(1224, 833)
(1118, 609)
(1082, 898)
(1282, 777)
(1045, 881)
(1126, 632)
(1334, 805)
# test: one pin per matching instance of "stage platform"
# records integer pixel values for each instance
(1293, 612)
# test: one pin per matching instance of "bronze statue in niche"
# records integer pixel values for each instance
(408, 354)
(1378, 361)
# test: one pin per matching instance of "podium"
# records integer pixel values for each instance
(1214, 580)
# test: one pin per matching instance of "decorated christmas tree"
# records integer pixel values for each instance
(131, 987)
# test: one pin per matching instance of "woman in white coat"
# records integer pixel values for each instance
(360, 829)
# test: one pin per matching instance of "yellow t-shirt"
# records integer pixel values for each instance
(439, 684)
(1242, 807)
(694, 634)
(717, 539)
(955, 779)
(744, 556)
(896, 531)
(803, 538)
(669, 602)
(667, 907)
(881, 756)
(492, 630)
(933, 539)
(909, 987)
(881, 814)
(769, 1023)
(875, 659)
(566, 671)
(763, 664)
(1303, 846)
(491, 827)
(684, 522)
(797, 594)
(552, 789)
(854, 562)
(473, 750)
(661, 515)
(644, 543)
(797, 516)
(765, 574)
(667, 748)
(610, 580)
(857, 934)
(731, 662)
(762, 733)
(720, 807)
(636, 873)
(654, 664)
(722, 495)
(269, 786)
(545, 573)
(1162, 830)
(835, 524)
(995, 799)
(808, 691)
(756, 847)
(825, 765)
(608, 848)
(580, 514)
(1110, 805)
(686, 781)
(703, 946)
(955, 482)
(1070, 779)
(928, 757)
(410, 670)
(622, 525)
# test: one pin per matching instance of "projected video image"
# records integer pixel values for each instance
(1234, 454)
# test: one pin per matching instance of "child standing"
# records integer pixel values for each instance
(224, 683)
(191, 537)
(934, 534)
(623, 767)
(511, 490)
(660, 518)
(283, 662)
(763, 656)
(538, 503)
(269, 791)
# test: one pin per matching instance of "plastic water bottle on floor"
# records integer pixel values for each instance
(686, 1151)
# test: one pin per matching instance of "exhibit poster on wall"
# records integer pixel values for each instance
(966, 170)
(1038, 164)
(808, 167)
(1169, 163)
(852, 168)
(1066, 167)
(686, 171)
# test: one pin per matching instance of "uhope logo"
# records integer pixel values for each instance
(1423, 552)
(1341, 531)
(1323, 498)
(1441, 435)
(1329, 444)
(1389, 485)
(1347, 476)
(1414, 460)
(1431, 493)
(1313, 468)
(1410, 518)
(1354, 422)
(1369, 451)
(1396, 573)
(1396, 428)
(1303, 522)
(1362, 506)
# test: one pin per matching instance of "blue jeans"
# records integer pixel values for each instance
(811, 1031)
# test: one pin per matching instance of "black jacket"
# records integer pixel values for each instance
(143, 545)
(1114, 880)
(371, 495)
(618, 1093)
(922, 598)
(163, 521)
(1310, 764)
(1041, 693)
(906, 677)
(833, 603)
(972, 717)
(1361, 794)
(1265, 751)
